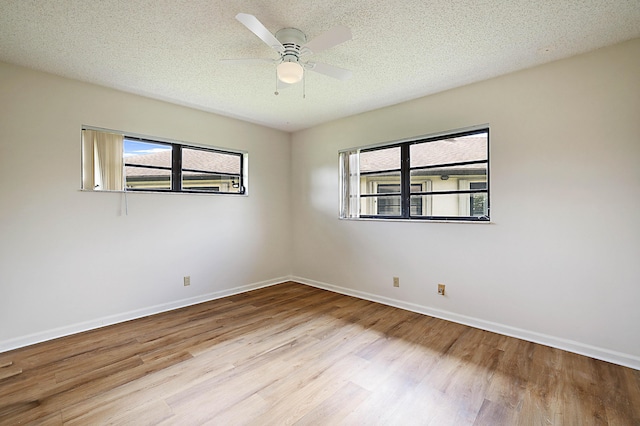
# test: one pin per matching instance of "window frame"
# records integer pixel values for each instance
(176, 169)
(347, 210)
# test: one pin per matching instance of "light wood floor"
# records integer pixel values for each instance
(292, 354)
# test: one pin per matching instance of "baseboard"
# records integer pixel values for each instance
(614, 357)
(55, 333)
(531, 336)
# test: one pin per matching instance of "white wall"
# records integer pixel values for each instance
(72, 260)
(560, 264)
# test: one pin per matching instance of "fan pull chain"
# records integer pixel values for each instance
(276, 92)
(304, 85)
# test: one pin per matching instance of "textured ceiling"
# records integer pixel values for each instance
(170, 49)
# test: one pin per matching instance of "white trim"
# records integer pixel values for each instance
(378, 219)
(614, 357)
(55, 333)
(603, 354)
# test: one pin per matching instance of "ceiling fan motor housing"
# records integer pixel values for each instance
(292, 39)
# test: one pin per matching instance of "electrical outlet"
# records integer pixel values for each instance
(396, 282)
(187, 281)
(441, 289)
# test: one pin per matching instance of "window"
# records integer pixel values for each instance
(116, 162)
(391, 206)
(444, 177)
(478, 200)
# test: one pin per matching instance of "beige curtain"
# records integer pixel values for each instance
(102, 161)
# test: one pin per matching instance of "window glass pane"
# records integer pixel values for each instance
(478, 201)
(380, 206)
(380, 159)
(453, 205)
(417, 204)
(147, 165)
(446, 151)
(388, 206)
(450, 178)
(210, 161)
(210, 171)
(196, 181)
(370, 184)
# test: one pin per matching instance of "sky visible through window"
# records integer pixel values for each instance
(132, 148)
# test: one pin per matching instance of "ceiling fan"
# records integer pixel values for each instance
(292, 46)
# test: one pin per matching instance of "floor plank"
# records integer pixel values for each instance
(292, 354)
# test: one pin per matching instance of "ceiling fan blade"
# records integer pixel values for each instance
(330, 70)
(327, 40)
(256, 27)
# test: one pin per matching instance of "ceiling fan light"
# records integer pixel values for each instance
(290, 72)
